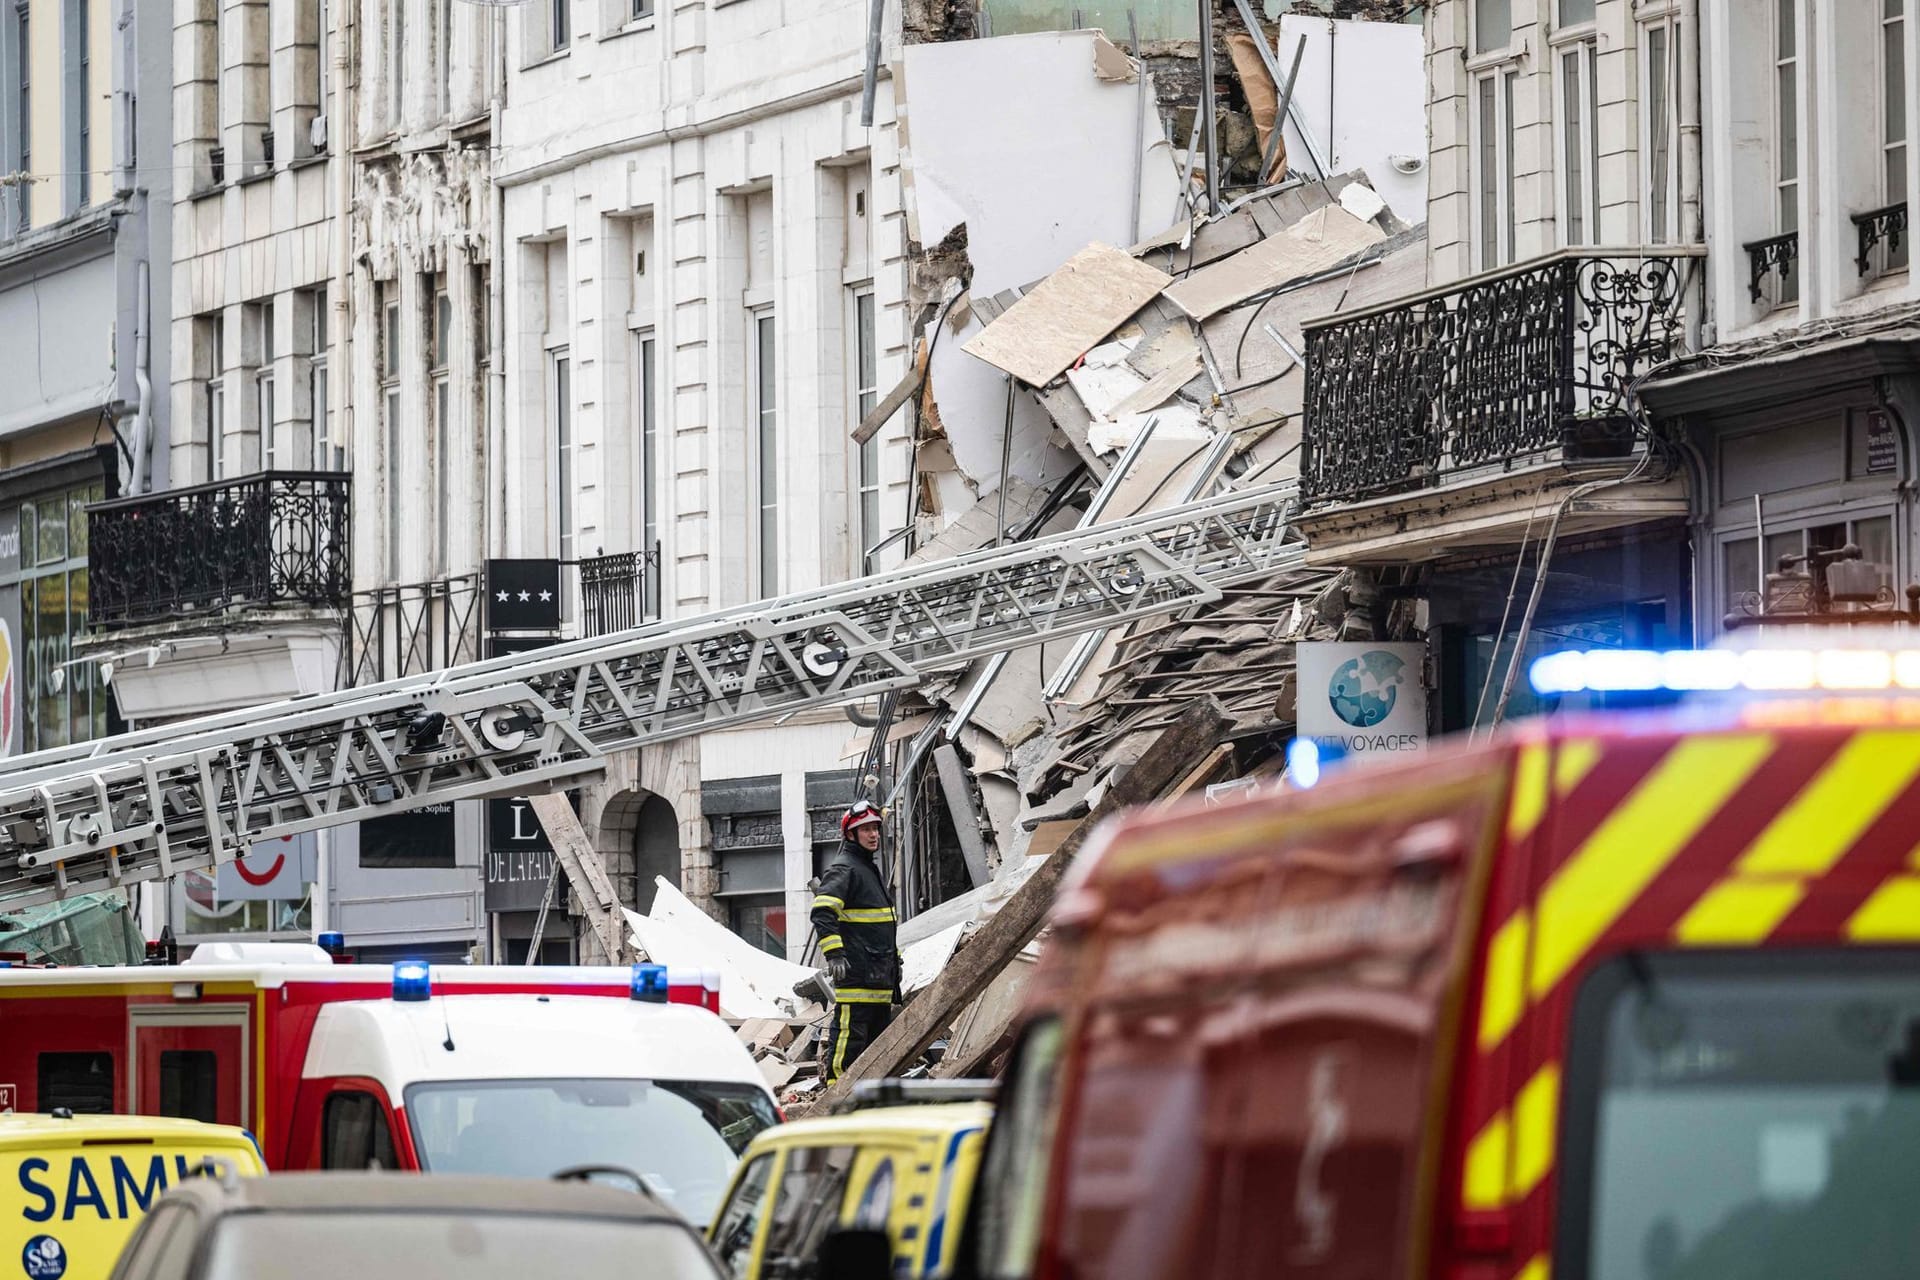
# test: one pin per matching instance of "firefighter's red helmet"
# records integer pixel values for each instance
(859, 815)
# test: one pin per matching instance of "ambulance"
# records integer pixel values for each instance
(73, 1187)
(1600, 999)
(461, 1069)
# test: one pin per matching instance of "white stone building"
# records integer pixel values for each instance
(703, 281)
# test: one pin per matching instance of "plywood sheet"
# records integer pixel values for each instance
(1323, 239)
(1068, 313)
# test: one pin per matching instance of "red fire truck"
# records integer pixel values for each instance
(1620, 999)
(458, 1069)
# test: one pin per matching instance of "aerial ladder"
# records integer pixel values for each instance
(150, 804)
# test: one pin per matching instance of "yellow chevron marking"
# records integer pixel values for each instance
(1484, 1180)
(1832, 811)
(1739, 911)
(1892, 914)
(1529, 792)
(1503, 996)
(1536, 1109)
(1536, 1269)
(1575, 761)
(1634, 844)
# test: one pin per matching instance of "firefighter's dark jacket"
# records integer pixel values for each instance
(853, 915)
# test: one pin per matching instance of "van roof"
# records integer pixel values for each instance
(932, 1119)
(509, 1037)
(458, 1193)
(21, 1129)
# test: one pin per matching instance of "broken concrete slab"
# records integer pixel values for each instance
(969, 399)
(1318, 242)
(1061, 318)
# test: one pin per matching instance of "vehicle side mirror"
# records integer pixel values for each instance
(850, 1253)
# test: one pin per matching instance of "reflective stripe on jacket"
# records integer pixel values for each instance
(853, 914)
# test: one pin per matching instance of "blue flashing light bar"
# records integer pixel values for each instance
(1714, 670)
(1308, 760)
(331, 942)
(412, 980)
(649, 983)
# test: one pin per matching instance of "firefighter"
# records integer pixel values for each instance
(853, 916)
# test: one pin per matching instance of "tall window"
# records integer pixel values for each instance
(80, 100)
(327, 456)
(322, 55)
(443, 59)
(1893, 113)
(276, 450)
(639, 9)
(216, 397)
(53, 613)
(1492, 25)
(1578, 143)
(765, 402)
(439, 392)
(1660, 148)
(23, 111)
(1786, 109)
(866, 393)
(1493, 169)
(390, 408)
(1574, 13)
(560, 23)
(560, 413)
(649, 472)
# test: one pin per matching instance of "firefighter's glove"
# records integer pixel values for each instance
(839, 968)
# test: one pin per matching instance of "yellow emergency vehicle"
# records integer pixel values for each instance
(892, 1163)
(72, 1187)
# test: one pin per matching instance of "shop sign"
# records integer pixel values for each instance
(1366, 698)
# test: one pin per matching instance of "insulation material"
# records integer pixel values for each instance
(922, 961)
(1069, 312)
(1263, 97)
(1030, 197)
(1318, 242)
(753, 984)
(1110, 62)
(972, 403)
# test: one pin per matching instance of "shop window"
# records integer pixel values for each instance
(80, 1082)
(749, 851)
(354, 1134)
(189, 1084)
(62, 704)
(1746, 589)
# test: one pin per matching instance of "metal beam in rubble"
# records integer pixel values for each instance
(181, 797)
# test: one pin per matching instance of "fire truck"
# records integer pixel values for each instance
(1600, 999)
(461, 1069)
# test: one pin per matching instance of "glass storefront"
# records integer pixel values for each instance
(43, 609)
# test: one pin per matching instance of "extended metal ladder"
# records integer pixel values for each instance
(150, 804)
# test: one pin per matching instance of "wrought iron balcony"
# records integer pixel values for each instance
(618, 591)
(1777, 256)
(1881, 226)
(273, 539)
(1492, 372)
(414, 628)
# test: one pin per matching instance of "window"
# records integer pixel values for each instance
(390, 407)
(1745, 588)
(216, 398)
(866, 394)
(1579, 148)
(397, 71)
(806, 1206)
(1786, 105)
(1744, 1113)
(354, 1134)
(1893, 114)
(560, 413)
(275, 450)
(740, 1218)
(23, 113)
(560, 23)
(765, 399)
(53, 611)
(81, 1082)
(322, 54)
(1660, 148)
(440, 392)
(649, 475)
(79, 102)
(639, 9)
(1493, 168)
(1013, 1174)
(1492, 25)
(443, 52)
(189, 1084)
(327, 456)
(1574, 13)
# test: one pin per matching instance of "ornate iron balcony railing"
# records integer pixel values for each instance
(1492, 371)
(414, 628)
(276, 538)
(618, 592)
(1777, 256)
(1881, 226)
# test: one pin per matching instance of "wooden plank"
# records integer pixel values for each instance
(966, 818)
(1318, 242)
(1199, 728)
(581, 861)
(1067, 314)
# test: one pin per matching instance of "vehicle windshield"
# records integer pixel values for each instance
(683, 1136)
(1753, 1116)
(373, 1245)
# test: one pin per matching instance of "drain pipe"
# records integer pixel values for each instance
(340, 135)
(142, 357)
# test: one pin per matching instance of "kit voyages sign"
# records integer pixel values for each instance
(1366, 698)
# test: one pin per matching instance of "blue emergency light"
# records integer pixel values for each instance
(1765, 670)
(649, 983)
(412, 981)
(331, 942)
(1308, 760)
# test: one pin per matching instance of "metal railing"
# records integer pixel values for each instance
(275, 538)
(414, 628)
(1492, 371)
(618, 592)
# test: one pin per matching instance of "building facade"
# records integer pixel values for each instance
(703, 292)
